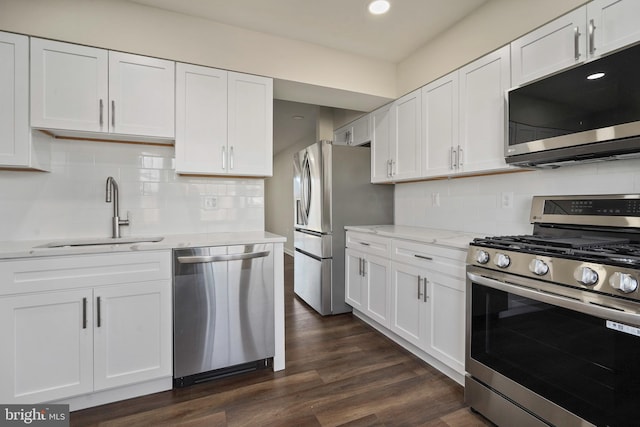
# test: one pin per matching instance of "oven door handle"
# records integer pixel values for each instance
(581, 306)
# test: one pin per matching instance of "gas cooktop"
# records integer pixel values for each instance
(576, 242)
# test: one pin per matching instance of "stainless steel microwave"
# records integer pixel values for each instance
(589, 112)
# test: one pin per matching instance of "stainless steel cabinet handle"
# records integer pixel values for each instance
(426, 297)
(576, 43)
(364, 267)
(460, 153)
(224, 156)
(98, 312)
(84, 313)
(451, 158)
(592, 31)
(454, 157)
(101, 112)
(365, 244)
(360, 267)
(392, 164)
(113, 113)
(423, 257)
(199, 259)
(419, 284)
(231, 157)
(388, 168)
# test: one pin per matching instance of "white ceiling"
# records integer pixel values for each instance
(344, 25)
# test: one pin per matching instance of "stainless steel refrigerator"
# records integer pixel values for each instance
(331, 189)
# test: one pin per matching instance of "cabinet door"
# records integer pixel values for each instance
(353, 278)
(376, 276)
(612, 24)
(133, 325)
(380, 144)
(14, 102)
(47, 349)
(361, 131)
(440, 126)
(405, 136)
(141, 95)
(250, 145)
(343, 135)
(559, 44)
(408, 317)
(201, 119)
(68, 86)
(483, 86)
(446, 305)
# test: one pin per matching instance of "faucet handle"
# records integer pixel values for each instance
(124, 221)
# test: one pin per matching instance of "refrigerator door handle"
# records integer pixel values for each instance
(308, 254)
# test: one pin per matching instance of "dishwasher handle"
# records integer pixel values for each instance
(199, 259)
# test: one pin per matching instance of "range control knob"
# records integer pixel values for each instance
(538, 267)
(623, 282)
(502, 260)
(586, 276)
(482, 257)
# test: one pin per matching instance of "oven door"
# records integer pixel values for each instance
(568, 356)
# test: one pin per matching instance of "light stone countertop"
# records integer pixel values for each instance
(450, 238)
(29, 249)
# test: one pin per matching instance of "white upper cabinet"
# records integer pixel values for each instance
(201, 119)
(19, 147)
(395, 140)
(380, 144)
(588, 32)
(357, 132)
(483, 86)
(141, 95)
(84, 89)
(250, 124)
(613, 24)
(69, 86)
(555, 46)
(406, 127)
(224, 122)
(440, 118)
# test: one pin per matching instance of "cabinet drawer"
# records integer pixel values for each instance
(69, 272)
(435, 257)
(369, 243)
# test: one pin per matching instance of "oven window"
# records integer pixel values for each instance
(570, 358)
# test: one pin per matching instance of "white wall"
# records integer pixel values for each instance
(493, 25)
(70, 201)
(474, 204)
(131, 27)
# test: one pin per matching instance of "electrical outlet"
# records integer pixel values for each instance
(210, 202)
(507, 200)
(435, 200)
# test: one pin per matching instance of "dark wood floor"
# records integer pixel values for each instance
(339, 372)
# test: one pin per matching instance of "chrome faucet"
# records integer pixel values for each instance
(112, 186)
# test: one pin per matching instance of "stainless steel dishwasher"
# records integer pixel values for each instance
(223, 311)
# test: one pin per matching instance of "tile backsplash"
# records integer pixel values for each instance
(500, 204)
(70, 200)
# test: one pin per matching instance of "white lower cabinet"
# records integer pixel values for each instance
(47, 352)
(422, 287)
(77, 325)
(367, 289)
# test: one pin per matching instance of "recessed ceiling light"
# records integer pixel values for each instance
(297, 117)
(595, 76)
(378, 7)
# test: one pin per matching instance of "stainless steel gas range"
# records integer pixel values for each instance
(553, 318)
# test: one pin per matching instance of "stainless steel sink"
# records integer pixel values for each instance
(100, 241)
